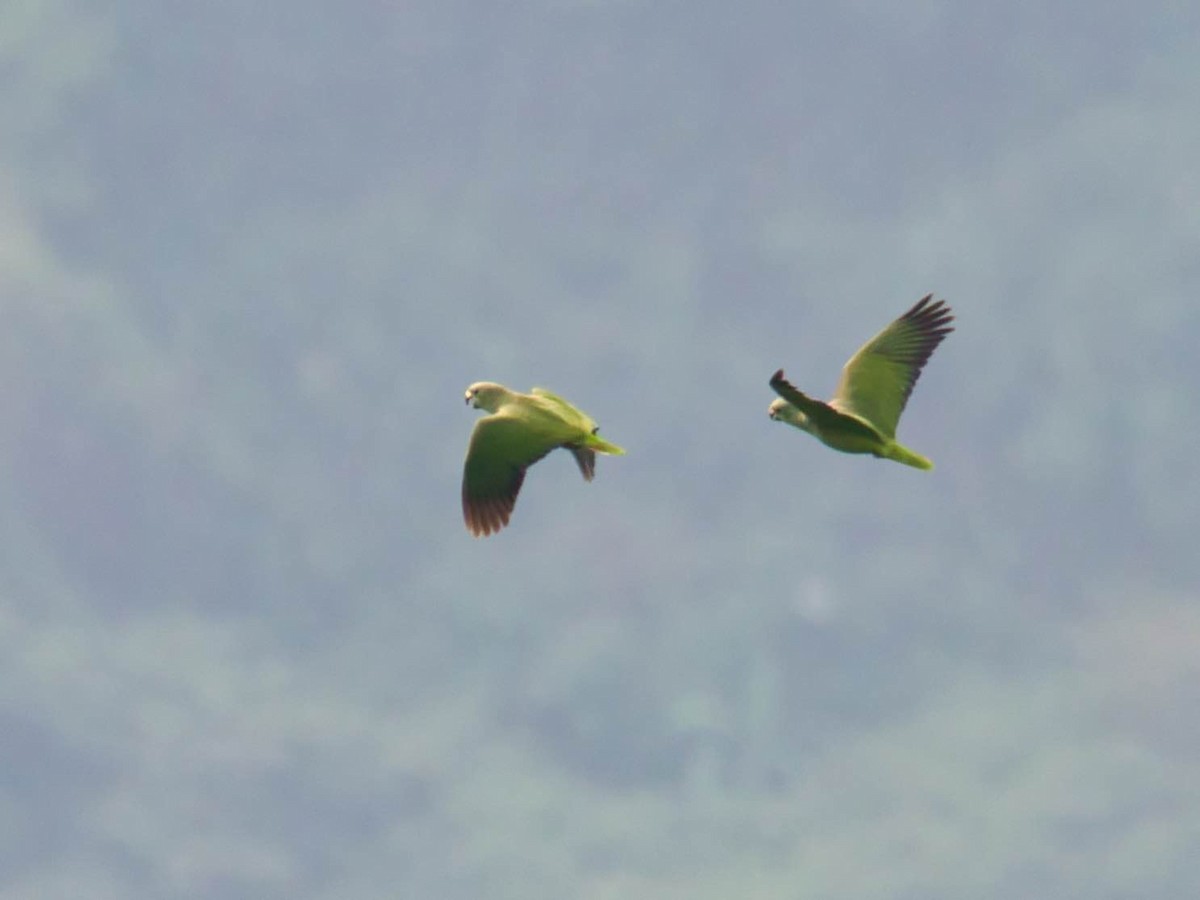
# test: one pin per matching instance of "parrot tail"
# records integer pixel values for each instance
(902, 454)
(600, 445)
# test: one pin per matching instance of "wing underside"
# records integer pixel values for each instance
(502, 447)
(877, 380)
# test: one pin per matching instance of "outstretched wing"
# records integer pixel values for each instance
(502, 447)
(819, 413)
(878, 379)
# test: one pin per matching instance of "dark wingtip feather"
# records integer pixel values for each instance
(487, 515)
(931, 318)
(931, 323)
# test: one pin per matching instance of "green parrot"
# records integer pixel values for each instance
(875, 384)
(521, 429)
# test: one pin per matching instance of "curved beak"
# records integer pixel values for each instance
(467, 398)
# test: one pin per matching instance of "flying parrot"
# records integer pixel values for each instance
(521, 429)
(873, 389)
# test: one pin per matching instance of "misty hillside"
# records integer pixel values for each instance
(253, 254)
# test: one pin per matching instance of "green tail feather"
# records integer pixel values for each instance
(902, 454)
(600, 445)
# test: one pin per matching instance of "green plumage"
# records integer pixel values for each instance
(521, 429)
(875, 386)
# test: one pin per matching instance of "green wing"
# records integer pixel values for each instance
(550, 395)
(570, 414)
(584, 458)
(502, 447)
(878, 379)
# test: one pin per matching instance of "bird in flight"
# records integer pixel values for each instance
(521, 429)
(874, 387)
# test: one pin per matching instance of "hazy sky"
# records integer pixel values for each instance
(251, 256)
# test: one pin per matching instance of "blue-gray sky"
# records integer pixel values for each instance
(251, 257)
